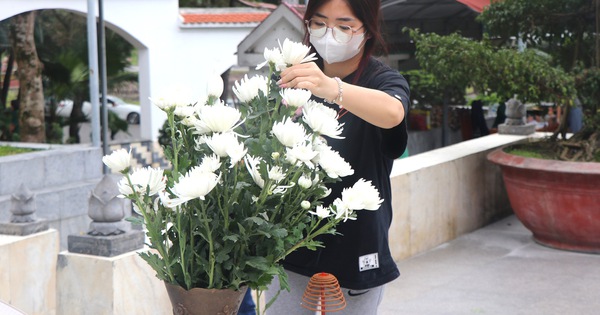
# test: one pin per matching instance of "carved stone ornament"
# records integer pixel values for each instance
(105, 209)
(23, 205)
(515, 112)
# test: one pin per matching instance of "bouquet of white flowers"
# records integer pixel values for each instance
(246, 182)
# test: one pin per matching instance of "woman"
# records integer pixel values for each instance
(372, 100)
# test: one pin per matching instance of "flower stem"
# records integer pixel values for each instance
(308, 237)
(182, 239)
(171, 117)
(211, 251)
(258, 296)
(152, 231)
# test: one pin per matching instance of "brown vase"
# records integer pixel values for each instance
(198, 301)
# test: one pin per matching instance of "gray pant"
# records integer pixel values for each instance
(358, 302)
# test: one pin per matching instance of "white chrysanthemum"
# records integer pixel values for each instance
(295, 53)
(271, 56)
(252, 164)
(165, 200)
(304, 182)
(305, 204)
(316, 180)
(184, 110)
(214, 87)
(248, 88)
(196, 183)
(280, 190)
(295, 97)
(220, 142)
(146, 180)
(199, 128)
(322, 120)
(276, 173)
(321, 212)
(190, 121)
(174, 96)
(118, 161)
(301, 153)
(362, 195)
(217, 118)
(289, 133)
(236, 151)
(162, 103)
(319, 144)
(342, 210)
(210, 163)
(332, 163)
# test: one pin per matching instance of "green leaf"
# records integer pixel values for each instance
(256, 220)
(259, 263)
(232, 237)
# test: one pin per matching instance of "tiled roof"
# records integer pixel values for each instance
(476, 5)
(224, 17)
(298, 9)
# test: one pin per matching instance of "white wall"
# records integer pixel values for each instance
(170, 57)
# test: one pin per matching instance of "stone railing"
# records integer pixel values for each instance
(444, 193)
(60, 177)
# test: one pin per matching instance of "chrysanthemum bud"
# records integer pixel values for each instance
(305, 204)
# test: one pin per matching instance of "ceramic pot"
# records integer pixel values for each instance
(198, 301)
(558, 201)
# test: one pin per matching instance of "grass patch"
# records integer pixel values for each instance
(537, 150)
(528, 154)
(8, 150)
(541, 150)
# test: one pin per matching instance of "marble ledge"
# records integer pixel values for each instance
(452, 152)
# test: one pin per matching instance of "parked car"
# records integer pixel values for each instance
(128, 112)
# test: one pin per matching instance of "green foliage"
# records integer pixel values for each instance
(9, 124)
(451, 59)
(558, 27)
(587, 81)
(54, 133)
(425, 89)
(456, 62)
(116, 124)
(530, 76)
(164, 138)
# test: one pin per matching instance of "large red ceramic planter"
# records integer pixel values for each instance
(559, 202)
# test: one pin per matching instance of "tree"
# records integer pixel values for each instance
(5, 47)
(31, 93)
(64, 54)
(569, 32)
(456, 62)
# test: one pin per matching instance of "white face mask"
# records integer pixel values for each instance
(333, 51)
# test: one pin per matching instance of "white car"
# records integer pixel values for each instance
(128, 112)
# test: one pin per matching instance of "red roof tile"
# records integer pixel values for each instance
(223, 18)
